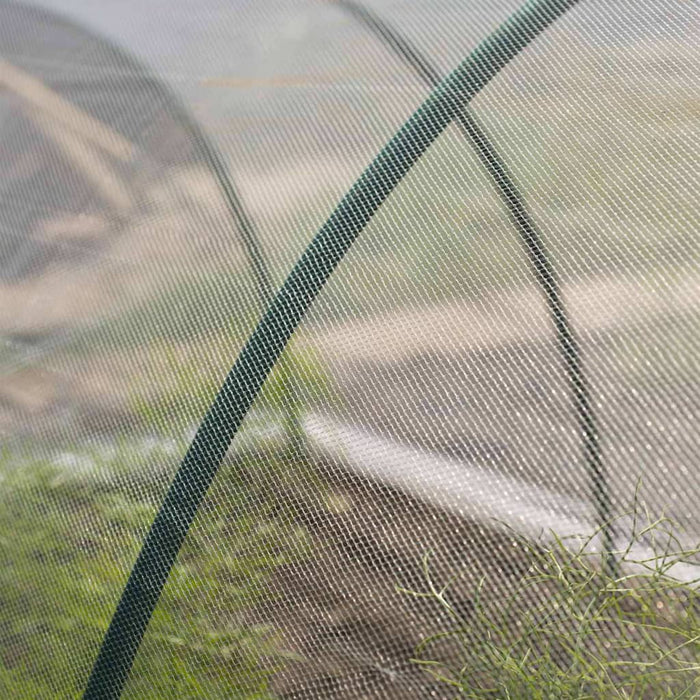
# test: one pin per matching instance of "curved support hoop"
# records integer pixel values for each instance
(250, 238)
(249, 234)
(215, 162)
(264, 347)
(540, 263)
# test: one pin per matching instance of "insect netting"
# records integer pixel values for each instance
(380, 317)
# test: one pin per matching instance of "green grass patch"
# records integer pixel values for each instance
(67, 544)
(567, 629)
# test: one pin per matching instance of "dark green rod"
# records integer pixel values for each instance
(542, 266)
(251, 241)
(234, 204)
(266, 344)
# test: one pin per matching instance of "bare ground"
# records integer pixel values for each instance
(340, 612)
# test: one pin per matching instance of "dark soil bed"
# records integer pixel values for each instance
(339, 612)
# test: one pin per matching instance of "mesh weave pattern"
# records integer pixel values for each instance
(166, 165)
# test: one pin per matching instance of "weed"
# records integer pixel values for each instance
(570, 630)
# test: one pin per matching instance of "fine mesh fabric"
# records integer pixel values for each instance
(446, 411)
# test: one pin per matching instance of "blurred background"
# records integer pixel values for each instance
(423, 402)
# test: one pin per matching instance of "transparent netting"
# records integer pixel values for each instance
(472, 471)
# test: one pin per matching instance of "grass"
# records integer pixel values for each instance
(67, 544)
(70, 534)
(568, 629)
(188, 379)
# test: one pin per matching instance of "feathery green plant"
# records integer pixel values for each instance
(568, 629)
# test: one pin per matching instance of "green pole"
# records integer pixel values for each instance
(264, 347)
(234, 204)
(540, 262)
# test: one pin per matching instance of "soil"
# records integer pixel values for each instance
(340, 613)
